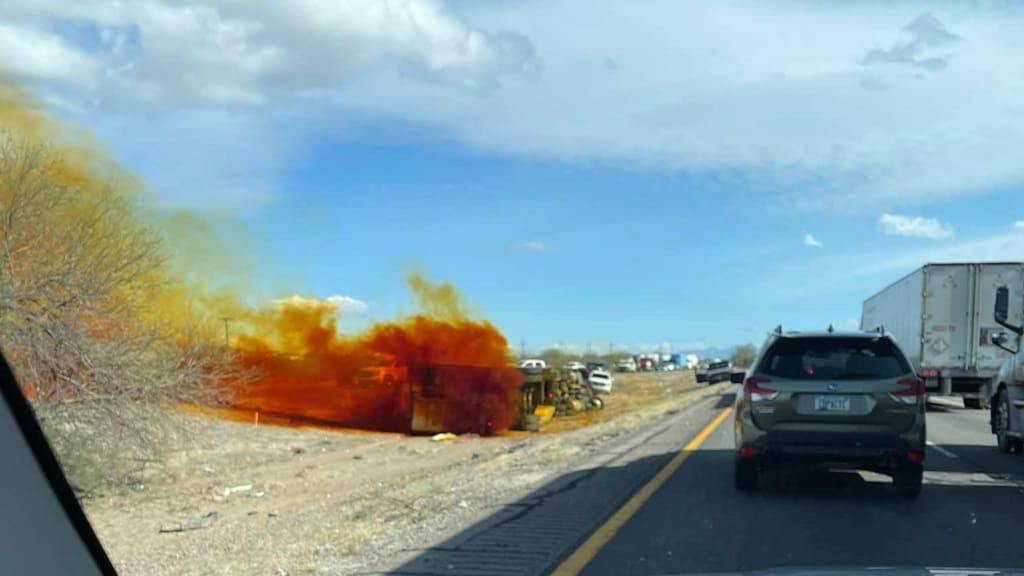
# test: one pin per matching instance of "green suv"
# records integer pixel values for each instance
(831, 399)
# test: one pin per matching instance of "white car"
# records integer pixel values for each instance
(626, 365)
(601, 381)
(668, 367)
(575, 366)
(533, 363)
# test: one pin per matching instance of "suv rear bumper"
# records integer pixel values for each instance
(869, 457)
(868, 450)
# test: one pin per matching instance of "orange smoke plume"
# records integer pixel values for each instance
(374, 379)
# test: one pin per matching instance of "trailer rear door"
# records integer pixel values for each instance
(947, 307)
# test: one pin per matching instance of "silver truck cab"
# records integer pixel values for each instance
(1007, 400)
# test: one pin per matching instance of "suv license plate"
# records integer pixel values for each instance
(832, 404)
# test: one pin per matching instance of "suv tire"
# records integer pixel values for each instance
(907, 480)
(746, 474)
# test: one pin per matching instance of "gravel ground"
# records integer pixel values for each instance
(338, 502)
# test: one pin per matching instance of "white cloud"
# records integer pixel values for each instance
(926, 32)
(997, 248)
(913, 226)
(734, 87)
(225, 52)
(348, 304)
(812, 241)
(342, 305)
(535, 246)
(868, 107)
(849, 324)
(567, 347)
(34, 55)
(1019, 224)
(696, 346)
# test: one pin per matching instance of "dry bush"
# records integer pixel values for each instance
(78, 274)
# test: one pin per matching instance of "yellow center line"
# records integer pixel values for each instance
(579, 559)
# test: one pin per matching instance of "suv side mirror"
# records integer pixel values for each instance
(1002, 311)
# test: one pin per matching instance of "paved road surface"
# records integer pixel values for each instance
(970, 512)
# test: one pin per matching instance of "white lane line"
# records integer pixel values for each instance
(941, 450)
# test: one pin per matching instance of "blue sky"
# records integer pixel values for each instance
(585, 172)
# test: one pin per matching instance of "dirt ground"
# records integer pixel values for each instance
(327, 501)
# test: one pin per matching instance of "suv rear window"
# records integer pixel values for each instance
(834, 359)
(716, 365)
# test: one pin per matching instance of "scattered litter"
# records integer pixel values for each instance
(280, 572)
(257, 494)
(357, 457)
(298, 450)
(203, 521)
(272, 514)
(443, 437)
(545, 413)
(243, 488)
(208, 469)
(463, 504)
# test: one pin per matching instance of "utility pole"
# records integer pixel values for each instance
(522, 348)
(226, 320)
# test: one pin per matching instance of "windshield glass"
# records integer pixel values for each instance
(320, 287)
(834, 358)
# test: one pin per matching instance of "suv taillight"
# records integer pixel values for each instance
(753, 389)
(913, 389)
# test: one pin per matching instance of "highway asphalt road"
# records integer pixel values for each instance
(969, 514)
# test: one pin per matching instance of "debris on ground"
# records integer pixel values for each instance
(544, 413)
(367, 499)
(443, 437)
(203, 521)
(235, 489)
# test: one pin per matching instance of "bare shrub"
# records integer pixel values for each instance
(78, 274)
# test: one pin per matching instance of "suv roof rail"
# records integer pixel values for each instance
(778, 329)
(880, 329)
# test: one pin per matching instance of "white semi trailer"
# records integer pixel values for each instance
(941, 315)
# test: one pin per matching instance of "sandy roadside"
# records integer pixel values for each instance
(330, 502)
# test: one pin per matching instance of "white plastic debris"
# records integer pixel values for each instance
(235, 489)
(443, 437)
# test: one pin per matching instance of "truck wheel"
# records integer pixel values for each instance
(745, 474)
(973, 403)
(531, 423)
(907, 480)
(1001, 423)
